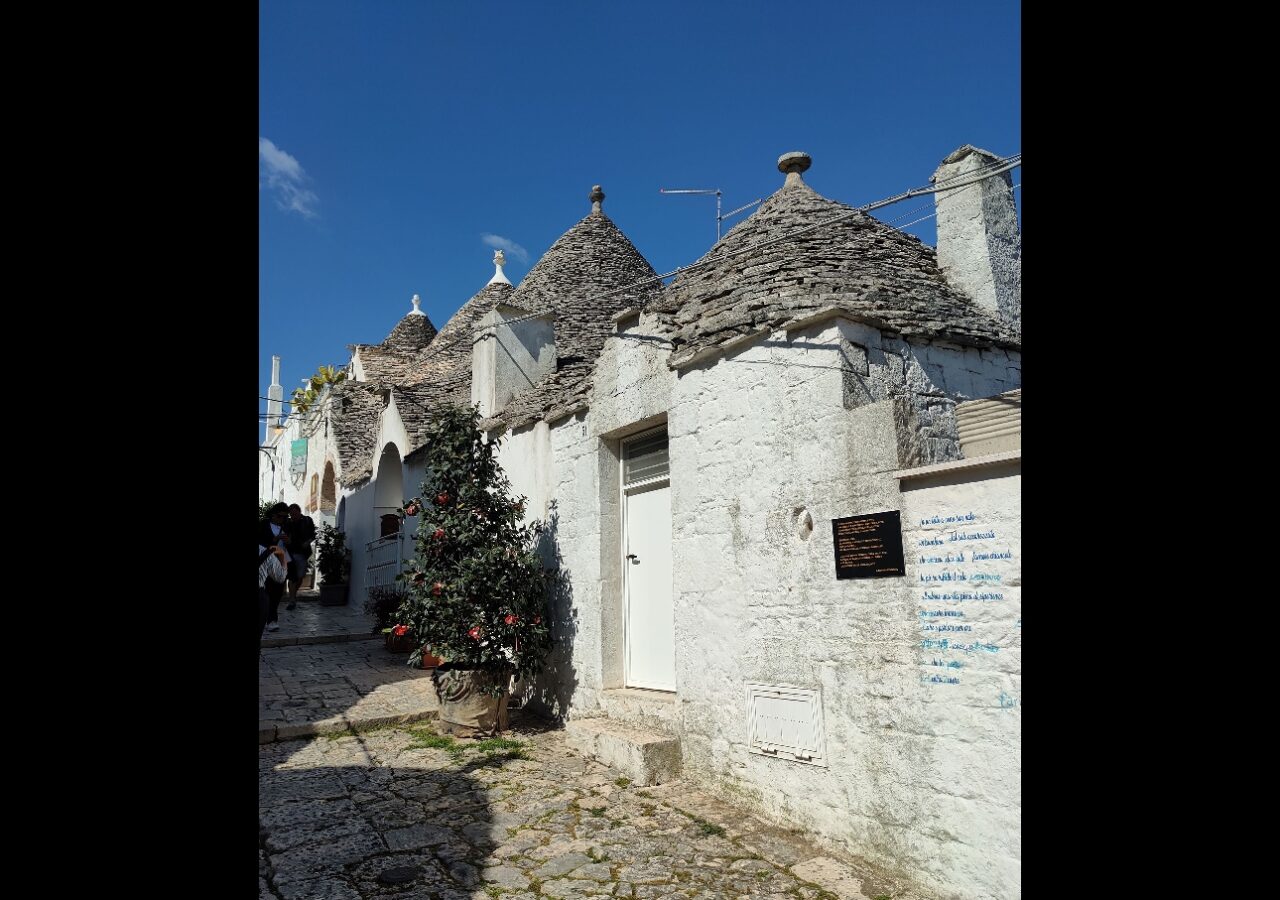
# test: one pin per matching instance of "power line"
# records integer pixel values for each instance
(932, 214)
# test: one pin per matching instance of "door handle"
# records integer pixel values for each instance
(633, 557)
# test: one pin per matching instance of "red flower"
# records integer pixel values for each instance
(411, 509)
(439, 533)
(510, 619)
(474, 633)
(437, 588)
(537, 620)
(442, 499)
(400, 630)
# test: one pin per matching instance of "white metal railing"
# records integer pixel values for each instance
(386, 555)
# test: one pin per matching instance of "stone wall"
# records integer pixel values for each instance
(962, 535)
(769, 443)
(768, 446)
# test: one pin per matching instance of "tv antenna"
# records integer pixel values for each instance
(719, 218)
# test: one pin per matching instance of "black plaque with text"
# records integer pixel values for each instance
(869, 546)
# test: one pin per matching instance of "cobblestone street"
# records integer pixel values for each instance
(399, 812)
(317, 688)
(310, 622)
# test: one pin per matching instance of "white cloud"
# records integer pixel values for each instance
(507, 245)
(284, 175)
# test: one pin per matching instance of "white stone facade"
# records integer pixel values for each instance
(768, 444)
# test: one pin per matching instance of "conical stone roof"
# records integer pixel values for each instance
(411, 334)
(583, 279)
(392, 360)
(876, 273)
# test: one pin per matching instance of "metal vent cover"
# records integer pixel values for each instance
(785, 722)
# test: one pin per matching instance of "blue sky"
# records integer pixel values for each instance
(399, 141)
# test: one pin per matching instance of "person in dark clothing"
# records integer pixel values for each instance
(271, 533)
(270, 568)
(301, 531)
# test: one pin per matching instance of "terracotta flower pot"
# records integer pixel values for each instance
(402, 643)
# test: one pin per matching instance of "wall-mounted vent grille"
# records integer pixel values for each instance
(645, 457)
(785, 722)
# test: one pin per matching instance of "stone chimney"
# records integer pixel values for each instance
(979, 244)
(275, 401)
(511, 351)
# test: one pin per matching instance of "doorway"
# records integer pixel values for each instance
(649, 620)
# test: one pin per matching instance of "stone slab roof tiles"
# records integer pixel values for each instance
(450, 352)
(393, 360)
(411, 333)
(383, 365)
(354, 413)
(579, 281)
(875, 273)
(441, 373)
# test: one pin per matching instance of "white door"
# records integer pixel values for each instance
(650, 625)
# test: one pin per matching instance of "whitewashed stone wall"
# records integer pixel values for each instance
(322, 447)
(768, 445)
(962, 538)
(556, 468)
(796, 429)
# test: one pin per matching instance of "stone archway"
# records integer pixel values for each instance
(388, 492)
(328, 491)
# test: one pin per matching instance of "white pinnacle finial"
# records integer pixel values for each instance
(415, 311)
(499, 260)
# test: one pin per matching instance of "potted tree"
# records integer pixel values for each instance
(476, 588)
(334, 563)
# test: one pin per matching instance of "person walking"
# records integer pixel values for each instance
(270, 568)
(301, 531)
(271, 533)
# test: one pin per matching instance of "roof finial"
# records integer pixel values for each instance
(499, 276)
(415, 311)
(597, 197)
(793, 164)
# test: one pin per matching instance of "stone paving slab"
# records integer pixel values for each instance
(312, 623)
(323, 688)
(401, 813)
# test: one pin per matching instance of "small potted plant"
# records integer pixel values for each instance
(384, 600)
(383, 605)
(334, 563)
